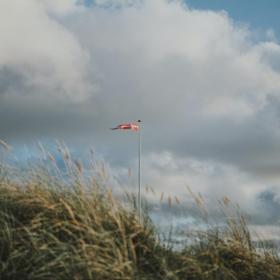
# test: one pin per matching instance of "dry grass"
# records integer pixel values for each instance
(54, 226)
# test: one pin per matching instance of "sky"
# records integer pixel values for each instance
(203, 76)
(260, 15)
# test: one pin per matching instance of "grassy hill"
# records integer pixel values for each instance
(69, 227)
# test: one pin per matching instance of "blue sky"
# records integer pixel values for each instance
(258, 14)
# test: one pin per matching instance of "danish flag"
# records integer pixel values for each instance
(130, 126)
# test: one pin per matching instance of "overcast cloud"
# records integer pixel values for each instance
(207, 92)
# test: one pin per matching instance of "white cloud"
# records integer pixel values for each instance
(116, 3)
(198, 57)
(62, 7)
(42, 50)
(171, 175)
(207, 93)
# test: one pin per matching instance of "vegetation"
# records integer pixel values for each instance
(54, 226)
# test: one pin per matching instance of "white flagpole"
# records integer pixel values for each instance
(139, 170)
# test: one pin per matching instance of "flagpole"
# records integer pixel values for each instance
(139, 170)
(135, 128)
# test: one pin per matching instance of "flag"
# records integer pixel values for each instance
(131, 126)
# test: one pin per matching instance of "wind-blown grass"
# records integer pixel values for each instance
(57, 227)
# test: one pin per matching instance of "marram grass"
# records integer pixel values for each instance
(55, 228)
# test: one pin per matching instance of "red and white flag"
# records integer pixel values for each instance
(130, 126)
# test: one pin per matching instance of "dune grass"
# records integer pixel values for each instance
(69, 227)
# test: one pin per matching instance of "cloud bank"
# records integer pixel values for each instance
(207, 92)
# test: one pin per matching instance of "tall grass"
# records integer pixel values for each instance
(58, 226)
